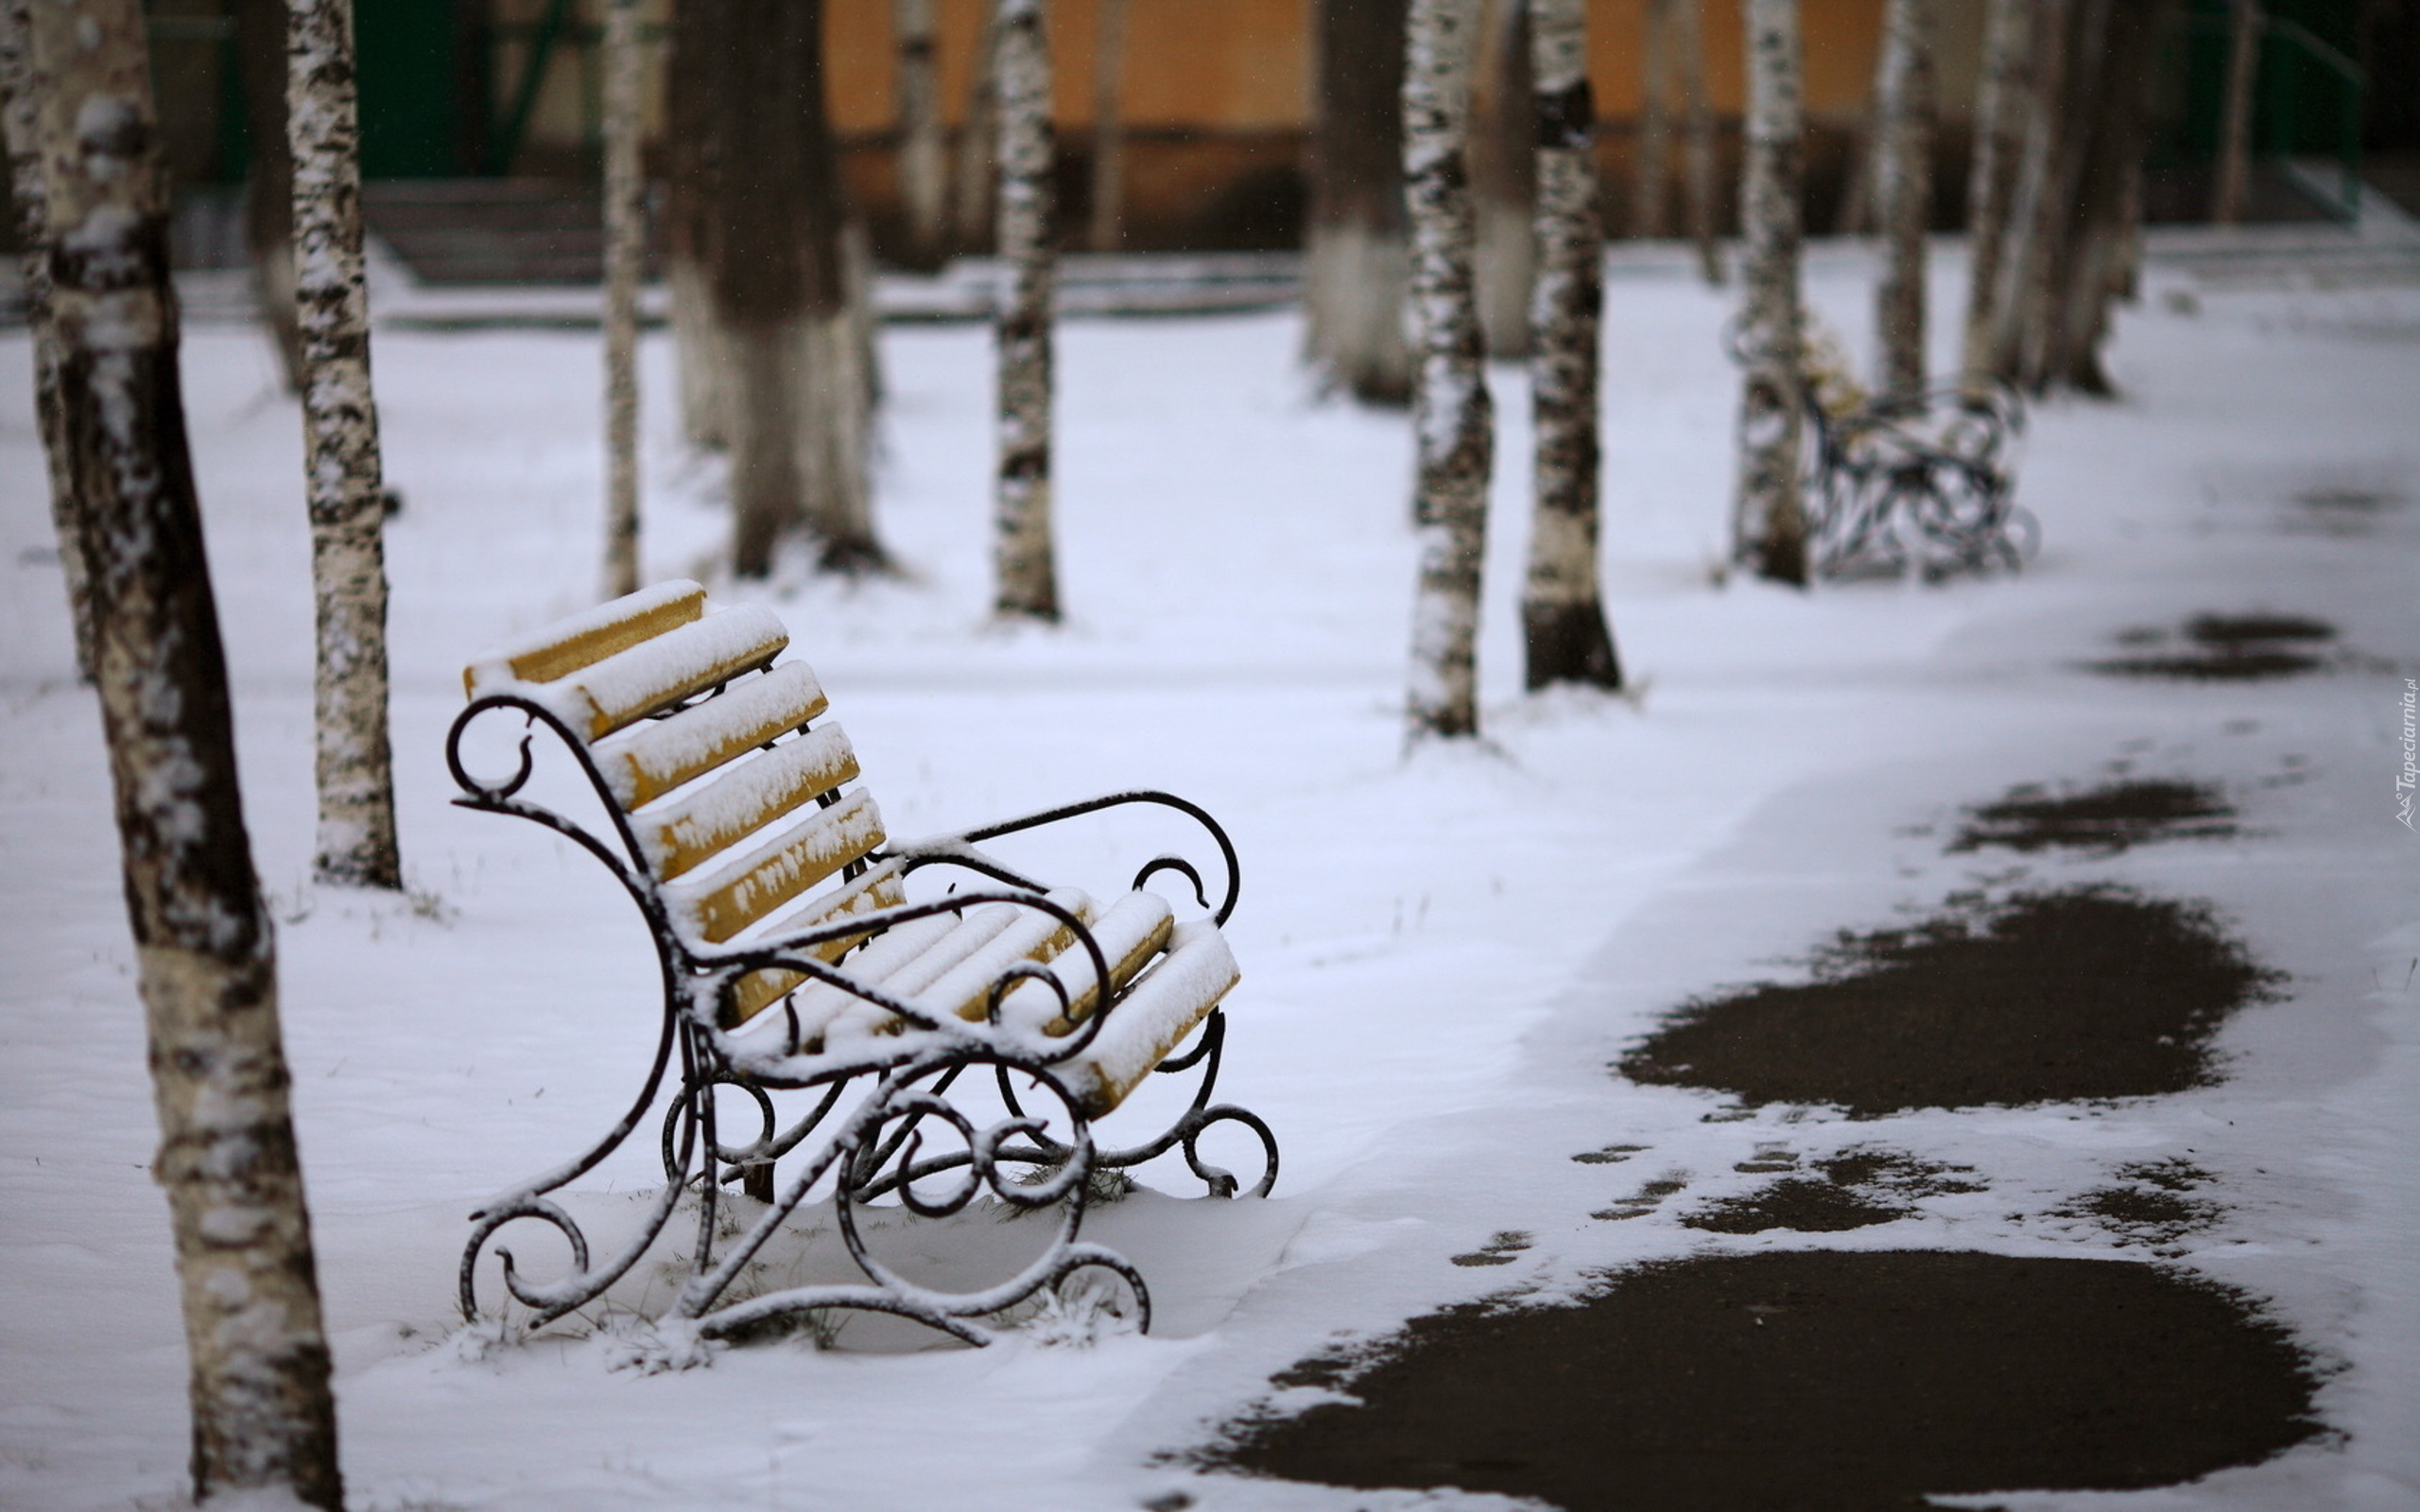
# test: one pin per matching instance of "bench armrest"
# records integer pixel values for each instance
(962, 849)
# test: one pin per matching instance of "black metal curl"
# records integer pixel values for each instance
(752, 1154)
(1176, 863)
(959, 849)
(1221, 1182)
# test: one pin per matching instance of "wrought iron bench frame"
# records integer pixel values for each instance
(1924, 482)
(873, 1149)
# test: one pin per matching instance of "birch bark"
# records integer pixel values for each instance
(2034, 215)
(2004, 97)
(21, 93)
(2245, 23)
(1356, 265)
(1109, 127)
(264, 1421)
(767, 229)
(1564, 636)
(625, 252)
(1903, 191)
(1650, 177)
(1504, 181)
(971, 212)
(1025, 573)
(357, 839)
(1453, 418)
(268, 189)
(1769, 530)
(1704, 210)
(693, 165)
(924, 181)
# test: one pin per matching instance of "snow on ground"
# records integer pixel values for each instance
(1440, 953)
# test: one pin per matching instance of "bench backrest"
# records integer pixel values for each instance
(737, 802)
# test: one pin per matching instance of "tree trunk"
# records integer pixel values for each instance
(347, 497)
(971, 213)
(625, 252)
(1854, 214)
(1027, 576)
(1649, 176)
(268, 191)
(1356, 264)
(21, 96)
(1109, 129)
(2035, 214)
(1904, 120)
(1689, 42)
(2245, 23)
(264, 1421)
(2060, 226)
(1453, 419)
(1769, 531)
(2003, 101)
(780, 325)
(692, 165)
(1565, 637)
(1504, 182)
(2115, 113)
(924, 182)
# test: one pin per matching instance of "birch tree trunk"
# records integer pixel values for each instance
(356, 841)
(1689, 42)
(1023, 561)
(21, 94)
(1504, 181)
(971, 212)
(1769, 530)
(1109, 127)
(2060, 218)
(264, 1421)
(2115, 115)
(2035, 213)
(2003, 102)
(1564, 636)
(1356, 264)
(693, 165)
(1650, 177)
(268, 188)
(2245, 23)
(1453, 419)
(1903, 122)
(924, 181)
(769, 231)
(625, 252)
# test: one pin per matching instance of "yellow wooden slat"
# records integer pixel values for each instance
(583, 640)
(631, 684)
(758, 991)
(752, 794)
(721, 900)
(648, 762)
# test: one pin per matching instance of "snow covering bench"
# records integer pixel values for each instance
(794, 958)
(1922, 482)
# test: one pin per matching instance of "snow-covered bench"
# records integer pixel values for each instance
(795, 958)
(1923, 483)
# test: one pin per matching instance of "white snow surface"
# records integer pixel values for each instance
(1441, 951)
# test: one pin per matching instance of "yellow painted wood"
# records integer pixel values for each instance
(648, 762)
(752, 794)
(721, 900)
(631, 684)
(758, 991)
(583, 640)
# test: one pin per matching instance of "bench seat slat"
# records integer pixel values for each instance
(1134, 930)
(1177, 994)
(581, 640)
(720, 900)
(879, 887)
(687, 830)
(965, 981)
(631, 684)
(651, 761)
